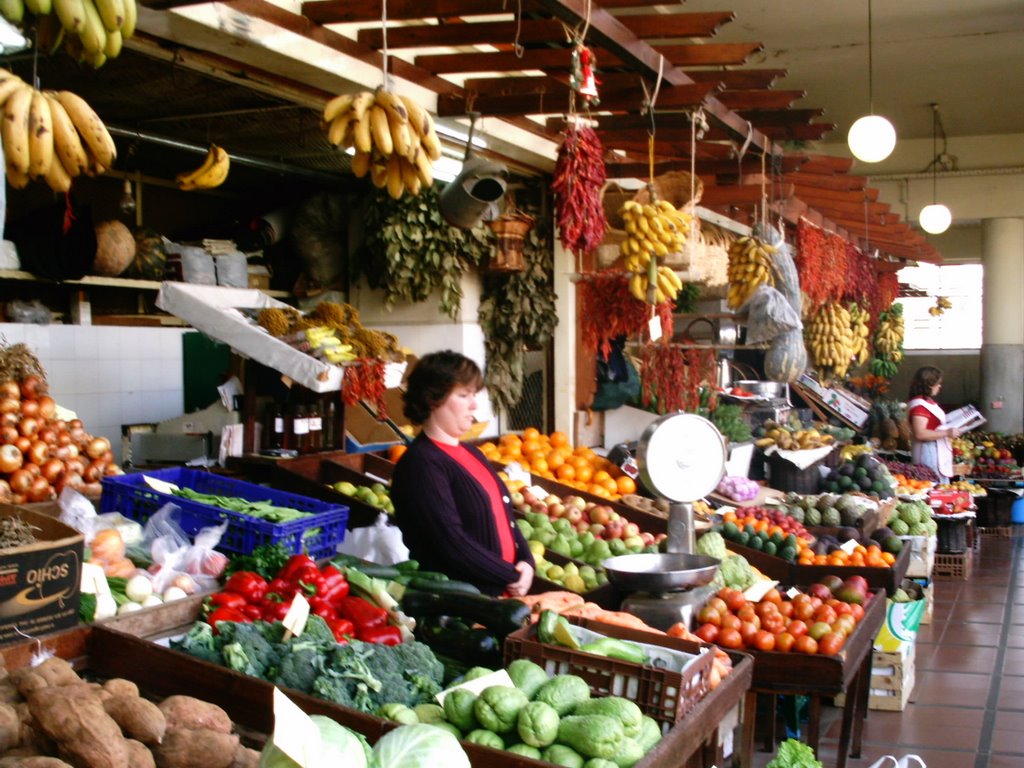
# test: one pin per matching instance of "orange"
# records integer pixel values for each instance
(557, 460)
(531, 433)
(610, 485)
(584, 472)
(539, 465)
(566, 472)
(626, 484)
(559, 438)
(598, 490)
(395, 451)
(601, 475)
(530, 445)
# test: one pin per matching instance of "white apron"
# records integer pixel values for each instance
(921, 452)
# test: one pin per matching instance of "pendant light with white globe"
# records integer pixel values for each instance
(935, 218)
(872, 137)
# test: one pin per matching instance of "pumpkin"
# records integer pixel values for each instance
(115, 248)
(150, 256)
(786, 359)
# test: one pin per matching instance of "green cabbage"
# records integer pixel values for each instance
(418, 746)
(736, 572)
(339, 746)
(712, 544)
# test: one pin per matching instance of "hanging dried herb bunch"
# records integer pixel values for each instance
(413, 251)
(18, 361)
(517, 312)
(15, 532)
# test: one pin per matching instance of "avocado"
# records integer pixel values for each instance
(770, 548)
(847, 533)
(883, 533)
(866, 483)
(860, 472)
(893, 545)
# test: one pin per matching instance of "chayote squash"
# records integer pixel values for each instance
(526, 751)
(429, 713)
(629, 753)
(444, 725)
(537, 724)
(559, 754)
(458, 708)
(527, 676)
(599, 762)
(650, 733)
(592, 735)
(625, 711)
(497, 707)
(563, 692)
(474, 672)
(485, 738)
(399, 713)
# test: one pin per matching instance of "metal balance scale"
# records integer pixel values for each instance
(681, 457)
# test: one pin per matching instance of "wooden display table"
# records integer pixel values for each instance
(822, 677)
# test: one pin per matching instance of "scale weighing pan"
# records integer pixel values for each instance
(655, 573)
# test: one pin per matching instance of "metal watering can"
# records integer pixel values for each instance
(475, 192)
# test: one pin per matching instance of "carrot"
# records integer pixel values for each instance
(557, 601)
(616, 618)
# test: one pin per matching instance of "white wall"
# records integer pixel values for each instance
(109, 375)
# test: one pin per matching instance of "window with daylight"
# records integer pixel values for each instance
(956, 328)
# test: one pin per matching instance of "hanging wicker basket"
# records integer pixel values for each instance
(511, 230)
(677, 187)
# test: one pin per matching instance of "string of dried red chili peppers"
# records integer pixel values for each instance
(821, 263)
(364, 380)
(671, 378)
(579, 179)
(861, 277)
(888, 292)
(607, 311)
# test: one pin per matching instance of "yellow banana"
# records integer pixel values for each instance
(410, 177)
(361, 164)
(40, 135)
(92, 130)
(114, 42)
(380, 130)
(424, 167)
(66, 141)
(131, 17)
(71, 14)
(431, 144)
(338, 127)
(215, 174)
(419, 119)
(9, 86)
(15, 130)
(394, 178)
(337, 106)
(111, 14)
(392, 105)
(16, 178)
(361, 136)
(93, 34)
(400, 137)
(57, 176)
(188, 179)
(379, 170)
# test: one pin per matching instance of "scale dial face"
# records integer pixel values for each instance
(681, 457)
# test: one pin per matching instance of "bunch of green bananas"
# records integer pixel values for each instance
(393, 137)
(750, 266)
(830, 338)
(888, 343)
(211, 172)
(653, 230)
(861, 334)
(91, 31)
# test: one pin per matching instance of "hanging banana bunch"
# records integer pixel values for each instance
(750, 266)
(91, 31)
(888, 343)
(941, 305)
(653, 230)
(830, 338)
(50, 135)
(393, 136)
(211, 173)
(861, 334)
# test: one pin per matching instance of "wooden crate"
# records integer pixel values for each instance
(955, 566)
(892, 680)
(1000, 531)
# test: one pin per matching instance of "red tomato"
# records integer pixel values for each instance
(735, 601)
(764, 641)
(857, 611)
(844, 625)
(818, 630)
(773, 623)
(731, 621)
(843, 609)
(729, 638)
(803, 610)
(805, 644)
(708, 632)
(826, 614)
(747, 612)
(786, 609)
(797, 628)
(784, 642)
(772, 596)
(709, 615)
(747, 631)
(763, 609)
(831, 644)
(719, 605)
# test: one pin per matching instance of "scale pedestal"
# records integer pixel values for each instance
(663, 609)
(680, 529)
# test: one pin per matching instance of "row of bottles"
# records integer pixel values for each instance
(309, 424)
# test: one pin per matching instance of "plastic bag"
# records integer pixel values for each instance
(177, 562)
(232, 270)
(28, 312)
(196, 264)
(770, 315)
(904, 762)
(78, 512)
(378, 543)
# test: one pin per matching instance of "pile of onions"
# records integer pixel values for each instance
(39, 453)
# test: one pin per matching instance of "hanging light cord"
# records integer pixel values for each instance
(871, 65)
(935, 151)
(384, 48)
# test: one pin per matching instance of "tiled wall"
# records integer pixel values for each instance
(109, 375)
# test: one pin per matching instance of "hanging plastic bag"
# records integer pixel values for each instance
(378, 543)
(770, 315)
(907, 761)
(177, 562)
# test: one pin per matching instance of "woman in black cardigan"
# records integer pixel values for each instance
(453, 509)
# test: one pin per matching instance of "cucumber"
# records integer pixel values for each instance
(427, 585)
(430, 576)
(385, 572)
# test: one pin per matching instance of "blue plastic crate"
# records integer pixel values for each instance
(319, 534)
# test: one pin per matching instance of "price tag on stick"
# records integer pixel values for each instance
(294, 733)
(295, 620)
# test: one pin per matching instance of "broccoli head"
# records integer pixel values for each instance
(301, 664)
(200, 642)
(318, 632)
(247, 650)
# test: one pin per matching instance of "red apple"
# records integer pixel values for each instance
(630, 530)
(556, 509)
(574, 515)
(613, 530)
(598, 530)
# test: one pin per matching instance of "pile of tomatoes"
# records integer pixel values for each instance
(801, 624)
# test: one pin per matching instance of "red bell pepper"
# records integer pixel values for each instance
(318, 606)
(335, 585)
(226, 613)
(386, 635)
(275, 610)
(253, 610)
(342, 629)
(363, 614)
(295, 562)
(225, 600)
(308, 580)
(248, 584)
(280, 586)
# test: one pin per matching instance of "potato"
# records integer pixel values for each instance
(246, 758)
(139, 718)
(9, 692)
(10, 728)
(182, 748)
(53, 671)
(188, 713)
(139, 755)
(118, 686)
(80, 726)
(33, 762)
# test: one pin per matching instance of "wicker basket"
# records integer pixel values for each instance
(677, 187)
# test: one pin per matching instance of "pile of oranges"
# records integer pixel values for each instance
(553, 457)
(872, 557)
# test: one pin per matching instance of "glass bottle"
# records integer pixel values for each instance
(316, 427)
(275, 426)
(330, 426)
(300, 429)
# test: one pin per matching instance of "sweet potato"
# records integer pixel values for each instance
(246, 758)
(118, 686)
(8, 691)
(139, 718)
(53, 671)
(10, 728)
(32, 762)
(188, 713)
(139, 755)
(80, 726)
(183, 748)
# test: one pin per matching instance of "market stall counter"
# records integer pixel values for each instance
(823, 677)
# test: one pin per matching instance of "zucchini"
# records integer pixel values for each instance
(428, 585)
(385, 572)
(430, 575)
(499, 616)
(454, 638)
(408, 566)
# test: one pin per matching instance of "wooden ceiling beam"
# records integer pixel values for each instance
(727, 170)
(846, 196)
(657, 25)
(759, 99)
(678, 97)
(713, 54)
(741, 194)
(611, 81)
(851, 210)
(780, 117)
(830, 181)
(827, 164)
(634, 142)
(352, 11)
